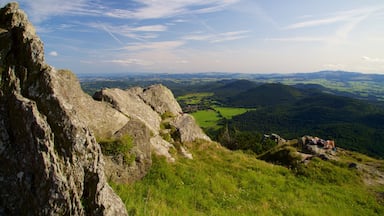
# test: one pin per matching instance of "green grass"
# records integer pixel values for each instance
(207, 118)
(229, 112)
(118, 146)
(220, 182)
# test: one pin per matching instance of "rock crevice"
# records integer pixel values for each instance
(50, 162)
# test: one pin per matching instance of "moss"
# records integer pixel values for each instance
(167, 115)
(120, 146)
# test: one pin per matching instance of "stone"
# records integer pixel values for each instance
(50, 162)
(188, 128)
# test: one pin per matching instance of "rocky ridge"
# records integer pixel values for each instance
(50, 161)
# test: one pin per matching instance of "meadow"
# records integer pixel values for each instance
(222, 182)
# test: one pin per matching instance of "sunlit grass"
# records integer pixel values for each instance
(229, 112)
(207, 118)
(220, 182)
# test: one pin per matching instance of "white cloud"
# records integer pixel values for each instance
(141, 33)
(40, 10)
(343, 16)
(171, 8)
(375, 60)
(129, 61)
(162, 45)
(53, 53)
(298, 39)
(219, 37)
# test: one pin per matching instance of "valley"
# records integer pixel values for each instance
(325, 104)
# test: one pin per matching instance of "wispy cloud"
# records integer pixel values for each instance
(219, 37)
(140, 33)
(375, 60)
(40, 10)
(162, 45)
(298, 39)
(129, 61)
(53, 53)
(164, 9)
(343, 16)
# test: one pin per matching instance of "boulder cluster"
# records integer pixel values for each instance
(51, 162)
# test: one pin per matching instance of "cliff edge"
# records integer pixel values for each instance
(50, 163)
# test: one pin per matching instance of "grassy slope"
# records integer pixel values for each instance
(220, 182)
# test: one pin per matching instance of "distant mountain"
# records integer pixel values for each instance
(231, 88)
(266, 95)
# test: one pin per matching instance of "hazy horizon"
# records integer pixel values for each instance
(194, 36)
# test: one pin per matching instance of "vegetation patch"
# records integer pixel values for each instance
(194, 98)
(229, 112)
(222, 182)
(207, 118)
(118, 147)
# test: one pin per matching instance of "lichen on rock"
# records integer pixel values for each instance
(50, 162)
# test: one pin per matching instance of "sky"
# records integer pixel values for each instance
(187, 36)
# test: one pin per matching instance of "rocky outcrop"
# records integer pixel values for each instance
(156, 107)
(161, 100)
(188, 128)
(50, 162)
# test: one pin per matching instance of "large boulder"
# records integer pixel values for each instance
(161, 99)
(130, 104)
(188, 128)
(50, 162)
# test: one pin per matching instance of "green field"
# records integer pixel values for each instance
(229, 112)
(221, 182)
(207, 118)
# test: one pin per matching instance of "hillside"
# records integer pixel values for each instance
(354, 124)
(135, 152)
(222, 182)
(266, 95)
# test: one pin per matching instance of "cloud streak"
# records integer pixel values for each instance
(219, 37)
(165, 9)
(140, 33)
(344, 16)
(162, 45)
(40, 10)
(374, 60)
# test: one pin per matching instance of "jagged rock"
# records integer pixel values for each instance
(141, 151)
(308, 145)
(162, 147)
(188, 129)
(161, 100)
(50, 162)
(149, 105)
(129, 103)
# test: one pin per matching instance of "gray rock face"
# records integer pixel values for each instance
(148, 106)
(161, 100)
(50, 163)
(129, 103)
(189, 130)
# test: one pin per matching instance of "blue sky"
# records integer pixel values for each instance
(177, 36)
